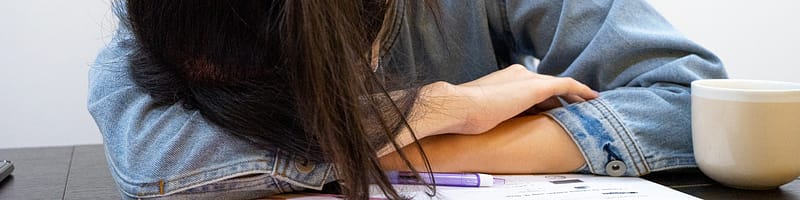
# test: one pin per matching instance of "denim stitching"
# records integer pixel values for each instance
(580, 147)
(605, 114)
(257, 184)
(282, 174)
(624, 134)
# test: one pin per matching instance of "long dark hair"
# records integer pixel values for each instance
(294, 75)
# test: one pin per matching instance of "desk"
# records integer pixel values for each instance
(75, 172)
(81, 172)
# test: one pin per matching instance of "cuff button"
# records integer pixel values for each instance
(303, 165)
(615, 168)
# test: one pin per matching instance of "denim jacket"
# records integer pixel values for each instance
(623, 48)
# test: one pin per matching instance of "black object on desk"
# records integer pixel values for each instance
(6, 167)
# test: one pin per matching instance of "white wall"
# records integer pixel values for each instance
(755, 39)
(45, 49)
(46, 46)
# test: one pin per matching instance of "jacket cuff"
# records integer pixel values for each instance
(605, 142)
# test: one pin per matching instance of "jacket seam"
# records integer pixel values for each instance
(166, 184)
(624, 134)
(281, 175)
(225, 191)
(577, 143)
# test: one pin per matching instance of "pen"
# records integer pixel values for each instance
(442, 179)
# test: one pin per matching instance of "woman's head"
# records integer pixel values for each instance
(289, 74)
(223, 59)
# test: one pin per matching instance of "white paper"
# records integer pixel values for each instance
(560, 186)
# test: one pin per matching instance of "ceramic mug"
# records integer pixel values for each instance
(746, 133)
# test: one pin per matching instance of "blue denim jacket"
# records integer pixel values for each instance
(623, 48)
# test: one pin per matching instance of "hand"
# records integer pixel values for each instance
(481, 104)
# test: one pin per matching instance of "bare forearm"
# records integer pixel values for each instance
(530, 144)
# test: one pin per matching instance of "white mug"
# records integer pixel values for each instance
(746, 133)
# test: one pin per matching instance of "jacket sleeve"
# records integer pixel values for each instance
(168, 151)
(641, 65)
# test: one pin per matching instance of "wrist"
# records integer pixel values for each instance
(428, 116)
(437, 110)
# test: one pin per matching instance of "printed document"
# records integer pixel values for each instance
(558, 186)
(529, 187)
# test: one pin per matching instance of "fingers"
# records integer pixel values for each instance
(539, 88)
(518, 81)
(511, 73)
(550, 103)
(554, 102)
(572, 90)
(572, 98)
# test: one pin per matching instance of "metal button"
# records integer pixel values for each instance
(303, 165)
(615, 168)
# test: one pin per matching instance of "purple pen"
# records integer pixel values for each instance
(442, 179)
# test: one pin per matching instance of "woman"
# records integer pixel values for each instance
(245, 99)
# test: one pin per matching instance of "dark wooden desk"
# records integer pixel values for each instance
(81, 172)
(75, 172)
